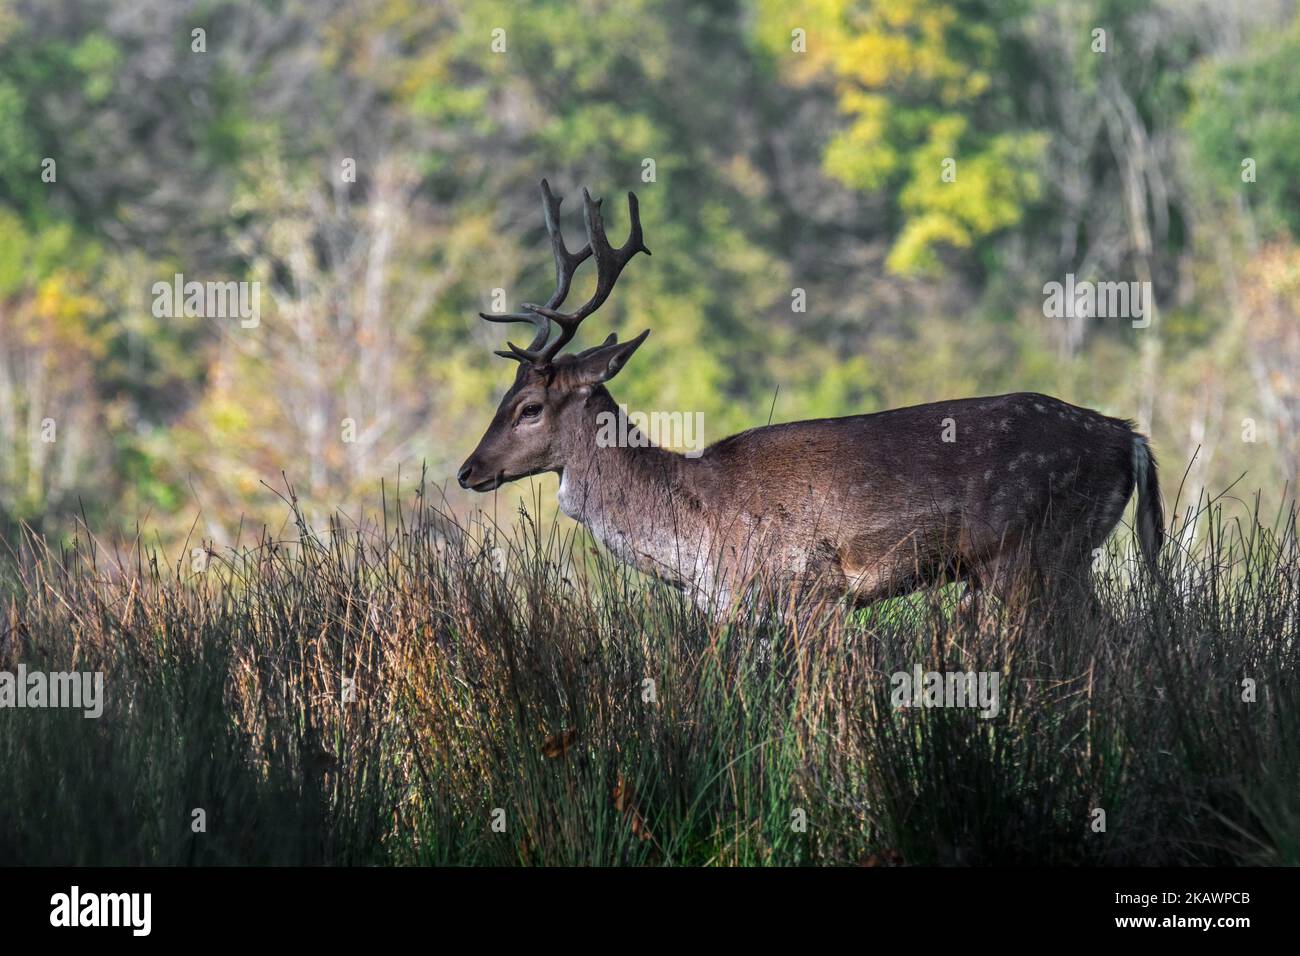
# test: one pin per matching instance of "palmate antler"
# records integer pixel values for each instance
(609, 263)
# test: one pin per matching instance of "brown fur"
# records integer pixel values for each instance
(868, 505)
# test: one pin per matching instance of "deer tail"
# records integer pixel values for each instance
(1150, 513)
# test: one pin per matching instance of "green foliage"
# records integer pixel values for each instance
(760, 170)
(35, 72)
(1245, 108)
(919, 81)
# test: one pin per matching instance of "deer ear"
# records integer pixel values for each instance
(603, 362)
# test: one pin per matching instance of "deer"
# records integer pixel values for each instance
(864, 507)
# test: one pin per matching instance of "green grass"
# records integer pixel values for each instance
(517, 681)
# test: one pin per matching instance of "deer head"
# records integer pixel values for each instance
(538, 418)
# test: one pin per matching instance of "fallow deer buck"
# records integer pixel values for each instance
(867, 506)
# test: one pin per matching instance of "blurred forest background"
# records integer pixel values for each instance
(795, 145)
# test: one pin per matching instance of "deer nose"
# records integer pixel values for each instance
(463, 475)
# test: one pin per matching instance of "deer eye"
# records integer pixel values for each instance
(531, 410)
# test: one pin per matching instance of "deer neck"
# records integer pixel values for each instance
(622, 487)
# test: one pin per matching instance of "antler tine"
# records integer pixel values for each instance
(541, 323)
(566, 264)
(609, 264)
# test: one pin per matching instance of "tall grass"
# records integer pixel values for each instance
(595, 717)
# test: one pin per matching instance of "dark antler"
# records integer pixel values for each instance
(609, 264)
